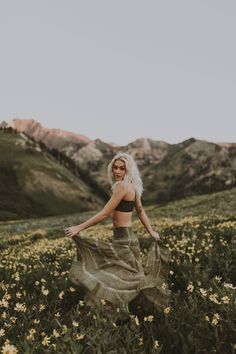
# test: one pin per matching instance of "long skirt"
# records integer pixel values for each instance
(118, 272)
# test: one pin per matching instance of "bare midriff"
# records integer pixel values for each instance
(121, 218)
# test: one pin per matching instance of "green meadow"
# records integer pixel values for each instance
(41, 311)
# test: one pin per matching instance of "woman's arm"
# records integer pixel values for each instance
(118, 193)
(144, 219)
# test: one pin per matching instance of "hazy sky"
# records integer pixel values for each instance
(120, 70)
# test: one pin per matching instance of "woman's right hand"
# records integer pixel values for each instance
(72, 231)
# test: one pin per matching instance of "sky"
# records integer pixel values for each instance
(121, 70)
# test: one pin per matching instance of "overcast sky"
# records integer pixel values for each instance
(120, 70)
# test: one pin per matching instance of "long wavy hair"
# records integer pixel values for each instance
(132, 172)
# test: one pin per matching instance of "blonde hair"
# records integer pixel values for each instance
(132, 172)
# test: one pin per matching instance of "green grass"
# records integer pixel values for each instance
(36, 256)
(222, 203)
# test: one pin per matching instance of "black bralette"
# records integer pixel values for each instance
(125, 205)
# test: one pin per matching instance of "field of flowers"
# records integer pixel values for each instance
(41, 311)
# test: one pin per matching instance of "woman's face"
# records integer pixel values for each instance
(119, 170)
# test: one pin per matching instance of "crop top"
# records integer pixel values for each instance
(125, 205)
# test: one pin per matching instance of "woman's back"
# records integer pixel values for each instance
(122, 215)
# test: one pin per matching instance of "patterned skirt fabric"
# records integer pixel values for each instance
(118, 273)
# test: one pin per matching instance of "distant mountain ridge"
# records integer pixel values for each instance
(169, 171)
(53, 138)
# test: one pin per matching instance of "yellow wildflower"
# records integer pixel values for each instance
(140, 341)
(75, 324)
(229, 286)
(167, 310)
(4, 314)
(2, 332)
(9, 349)
(46, 341)
(64, 329)
(136, 320)
(55, 333)
(149, 318)
(42, 307)
(30, 336)
(61, 294)
(215, 319)
(36, 321)
(190, 287)
(45, 291)
(225, 299)
(20, 307)
(80, 336)
(4, 303)
(164, 286)
(203, 292)
(213, 298)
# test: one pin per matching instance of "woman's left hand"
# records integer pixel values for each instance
(156, 235)
(72, 231)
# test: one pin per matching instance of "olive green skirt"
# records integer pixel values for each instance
(118, 273)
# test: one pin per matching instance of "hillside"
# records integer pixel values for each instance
(169, 171)
(219, 203)
(34, 184)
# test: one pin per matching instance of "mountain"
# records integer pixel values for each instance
(33, 183)
(169, 171)
(53, 138)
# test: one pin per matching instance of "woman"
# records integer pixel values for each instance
(114, 271)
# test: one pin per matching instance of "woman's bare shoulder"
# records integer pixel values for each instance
(119, 186)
